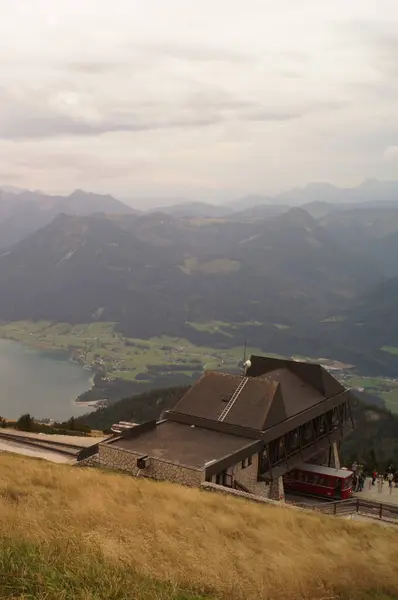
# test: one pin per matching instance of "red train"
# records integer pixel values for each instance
(316, 480)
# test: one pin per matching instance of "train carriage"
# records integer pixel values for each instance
(317, 480)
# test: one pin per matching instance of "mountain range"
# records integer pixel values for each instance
(23, 212)
(316, 280)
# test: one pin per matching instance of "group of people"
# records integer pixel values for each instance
(359, 477)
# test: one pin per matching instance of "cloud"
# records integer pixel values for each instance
(379, 41)
(93, 67)
(26, 115)
(391, 153)
(198, 93)
(150, 55)
(197, 53)
(82, 164)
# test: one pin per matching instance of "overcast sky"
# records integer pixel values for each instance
(202, 99)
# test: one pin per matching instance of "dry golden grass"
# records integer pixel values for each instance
(84, 521)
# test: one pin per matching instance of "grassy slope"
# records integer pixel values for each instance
(81, 533)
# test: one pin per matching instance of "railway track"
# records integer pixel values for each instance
(71, 450)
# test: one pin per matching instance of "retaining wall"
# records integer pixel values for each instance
(162, 470)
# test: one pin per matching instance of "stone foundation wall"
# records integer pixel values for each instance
(125, 460)
(91, 461)
(248, 477)
(213, 487)
(277, 491)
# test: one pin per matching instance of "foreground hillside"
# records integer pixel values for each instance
(81, 533)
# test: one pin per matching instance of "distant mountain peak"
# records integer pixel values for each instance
(82, 193)
(319, 185)
(298, 215)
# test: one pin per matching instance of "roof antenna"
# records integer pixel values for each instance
(246, 363)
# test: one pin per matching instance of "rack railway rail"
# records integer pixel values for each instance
(71, 450)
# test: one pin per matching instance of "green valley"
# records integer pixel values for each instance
(101, 347)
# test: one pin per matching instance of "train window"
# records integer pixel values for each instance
(347, 483)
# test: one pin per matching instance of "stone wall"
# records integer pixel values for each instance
(126, 460)
(91, 461)
(248, 477)
(213, 487)
(277, 491)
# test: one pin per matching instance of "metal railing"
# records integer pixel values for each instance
(241, 488)
(380, 510)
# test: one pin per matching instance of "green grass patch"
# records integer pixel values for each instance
(390, 349)
(391, 400)
(217, 266)
(387, 389)
(213, 327)
(334, 319)
(64, 569)
(367, 382)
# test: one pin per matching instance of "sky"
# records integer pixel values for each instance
(202, 99)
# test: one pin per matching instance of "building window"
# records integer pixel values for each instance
(246, 462)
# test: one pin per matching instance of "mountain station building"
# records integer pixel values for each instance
(242, 432)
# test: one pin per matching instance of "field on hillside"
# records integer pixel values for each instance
(98, 345)
(73, 533)
(385, 388)
(101, 347)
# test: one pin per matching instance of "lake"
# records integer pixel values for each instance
(44, 384)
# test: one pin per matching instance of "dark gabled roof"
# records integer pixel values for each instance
(312, 374)
(301, 385)
(273, 391)
(209, 396)
(184, 444)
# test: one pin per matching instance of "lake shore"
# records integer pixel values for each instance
(39, 382)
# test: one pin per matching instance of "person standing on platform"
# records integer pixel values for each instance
(390, 479)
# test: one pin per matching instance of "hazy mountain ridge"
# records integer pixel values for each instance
(291, 282)
(154, 274)
(25, 212)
